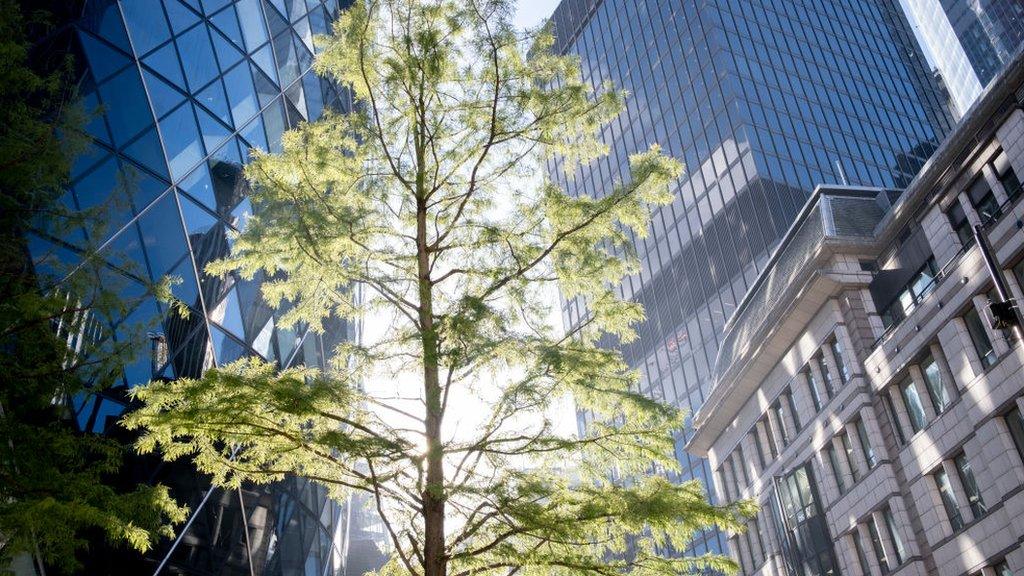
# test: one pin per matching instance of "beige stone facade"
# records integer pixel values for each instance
(862, 396)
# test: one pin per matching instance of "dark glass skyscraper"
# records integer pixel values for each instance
(969, 40)
(763, 100)
(177, 92)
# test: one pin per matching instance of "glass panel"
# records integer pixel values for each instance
(974, 499)
(241, 95)
(162, 95)
(253, 28)
(837, 471)
(197, 57)
(876, 544)
(851, 458)
(213, 99)
(227, 22)
(826, 374)
(949, 500)
(163, 236)
(227, 54)
(182, 140)
(180, 16)
(146, 150)
(837, 352)
(933, 382)
(125, 105)
(865, 444)
(103, 60)
(899, 552)
(979, 337)
(912, 401)
(812, 388)
(146, 26)
(165, 63)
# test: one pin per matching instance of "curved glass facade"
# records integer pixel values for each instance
(762, 100)
(177, 92)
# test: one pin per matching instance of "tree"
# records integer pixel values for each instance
(430, 199)
(53, 480)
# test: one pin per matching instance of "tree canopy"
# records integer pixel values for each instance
(425, 215)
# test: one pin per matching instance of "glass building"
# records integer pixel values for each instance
(969, 40)
(177, 92)
(762, 100)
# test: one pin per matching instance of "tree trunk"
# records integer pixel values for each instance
(435, 562)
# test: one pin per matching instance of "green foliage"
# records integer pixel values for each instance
(431, 198)
(53, 480)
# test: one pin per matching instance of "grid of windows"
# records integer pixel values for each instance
(762, 101)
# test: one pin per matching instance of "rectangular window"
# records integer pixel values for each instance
(876, 544)
(826, 375)
(837, 353)
(899, 552)
(961, 226)
(979, 337)
(974, 499)
(1015, 422)
(1004, 171)
(812, 387)
(837, 470)
(865, 567)
(773, 447)
(1003, 569)
(984, 202)
(787, 398)
(1018, 271)
(894, 420)
(778, 420)
(851, 460)
(912, 401)
(948, 500)
(757, 446)
(741, 465)
(937, 390)
(865, 443)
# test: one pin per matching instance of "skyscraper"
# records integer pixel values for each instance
(762, 101)
(969, 40)
(177, 92)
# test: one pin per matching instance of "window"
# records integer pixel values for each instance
(974, 500)
(787, 399)
(920, 285)
(899, 552)
(865, 567)
(837, 470)
(741, 465)
(933, 382)
(757, 446)
(979, 337)
(1015, 423)
(1018, 271)
(812, 389)
(803, 520)
(894, 421)
(961, 226)
(876, 544)
(773, 447)
(1003, 569)
(948, 500)
(865, 443)
(826, 374)
(778, 421)
(1004, 171)
(851, 460)
(837, 353)
(983, 200)
(912, 400)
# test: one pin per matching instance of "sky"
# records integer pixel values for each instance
(530, 13)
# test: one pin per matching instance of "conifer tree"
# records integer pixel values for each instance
(430, 199)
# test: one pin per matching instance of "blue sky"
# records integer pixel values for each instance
(530, 13)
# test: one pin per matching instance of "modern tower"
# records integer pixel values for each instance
(969, 40)
(177, 93)
(762, 101)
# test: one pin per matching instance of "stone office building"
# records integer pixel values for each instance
(862, 394)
